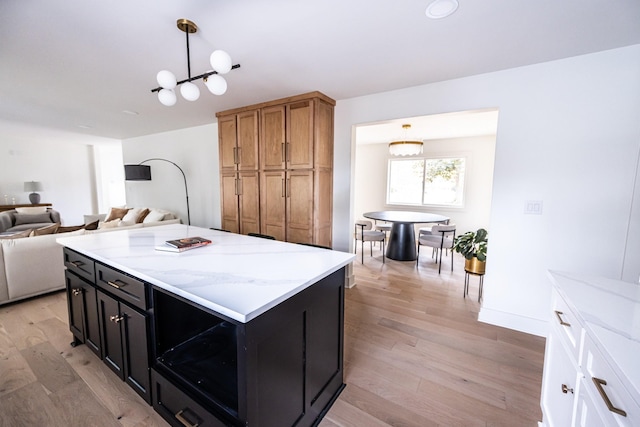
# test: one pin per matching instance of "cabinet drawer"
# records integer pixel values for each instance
(565, 321)
(178, 408)
(609, 395)
(123, 286)
(81, 265)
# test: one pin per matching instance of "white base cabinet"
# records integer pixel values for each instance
(590, 379)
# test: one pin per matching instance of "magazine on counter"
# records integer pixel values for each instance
(180, 245)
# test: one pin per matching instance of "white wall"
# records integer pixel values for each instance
(195, 150)
(568, 135)
(371, 172)
(65, 170)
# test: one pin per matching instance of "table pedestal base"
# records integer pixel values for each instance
(402, 242)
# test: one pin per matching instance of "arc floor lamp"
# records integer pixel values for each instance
(142, 172)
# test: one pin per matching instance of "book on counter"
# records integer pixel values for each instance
(184, 244)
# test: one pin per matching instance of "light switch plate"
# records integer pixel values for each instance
(533, 207)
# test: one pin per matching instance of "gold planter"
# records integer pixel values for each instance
(474, 266)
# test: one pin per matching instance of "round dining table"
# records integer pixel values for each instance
(402, 239)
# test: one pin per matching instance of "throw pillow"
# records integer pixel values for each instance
(32, 210)
(110, 224)
(142, 216)
(32, 218)
(19, 235)
(49, 229)
(132, 215)
(69, 228)
(92, 225)
(154, 216)
(116, 213)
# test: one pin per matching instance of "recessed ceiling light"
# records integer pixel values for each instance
(85, 126)
(439, 9)
(129, 112)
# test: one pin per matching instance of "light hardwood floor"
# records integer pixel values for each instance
(414, 356)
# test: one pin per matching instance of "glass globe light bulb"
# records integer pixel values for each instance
(216, 84)
(220, 61)
(167, 97)
(166, 79)
(189, 91)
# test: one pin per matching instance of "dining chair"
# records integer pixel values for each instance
(365, 233)
(440, 239)
(385, 227)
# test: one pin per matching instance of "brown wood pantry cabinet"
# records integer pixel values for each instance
(276, 167)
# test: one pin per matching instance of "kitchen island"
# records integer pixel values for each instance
(244, 331)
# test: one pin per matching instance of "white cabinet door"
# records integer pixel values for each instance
(558, 384)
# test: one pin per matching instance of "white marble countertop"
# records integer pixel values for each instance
(609, 310)
(238, 276)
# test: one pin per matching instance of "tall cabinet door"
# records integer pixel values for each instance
(299, 129)
(227, 143)
(229, 202)
(299, 214)
(249, 202)
(247, 141)
(273, 137)
(273, 203)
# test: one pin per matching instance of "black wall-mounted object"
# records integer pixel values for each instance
(142, 172)
(137, 172)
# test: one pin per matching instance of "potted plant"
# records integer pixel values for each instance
(473, 247)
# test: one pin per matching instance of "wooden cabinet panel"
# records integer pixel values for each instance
(227, 142)
(247, 139)
(272, 138)
(240, 202)
(299, 126)
(299, 214)
(238, 141)
(272, 204)
(229, 202)
(249, 202)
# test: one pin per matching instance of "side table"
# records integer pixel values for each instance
(468, 273)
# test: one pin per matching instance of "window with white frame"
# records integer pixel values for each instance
(426, 181)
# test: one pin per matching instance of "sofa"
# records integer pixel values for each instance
(31, 266)
(28, 218)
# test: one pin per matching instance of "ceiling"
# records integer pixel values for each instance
(77, 65)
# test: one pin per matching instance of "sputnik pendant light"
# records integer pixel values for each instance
(220, 62)
(406, 146)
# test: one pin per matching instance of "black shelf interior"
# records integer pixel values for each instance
(198, 348)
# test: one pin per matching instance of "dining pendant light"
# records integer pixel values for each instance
(405, 146)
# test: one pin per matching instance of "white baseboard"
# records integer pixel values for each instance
(513, 321)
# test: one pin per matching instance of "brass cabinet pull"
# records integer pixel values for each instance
(566, 389)
(235, 155)
(559, 316)
(116, 319)
(287, 152)
(115, 285)
(76, 292)
(283, 155)
(289, 187)
(239, 187)
(184, 421)
(283, 188)
(599, 383)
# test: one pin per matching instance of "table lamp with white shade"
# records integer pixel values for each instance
(33, 186)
